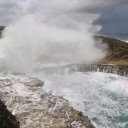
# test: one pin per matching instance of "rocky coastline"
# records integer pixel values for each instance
(121, 70)
(117, 51)
(17, 92)
(33, 107)
(116, 61)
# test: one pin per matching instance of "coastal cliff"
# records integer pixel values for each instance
(116, 60)
(121, 70)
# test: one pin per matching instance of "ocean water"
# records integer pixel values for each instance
(103, 97)
(123, 37)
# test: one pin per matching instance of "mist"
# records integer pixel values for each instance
(51, 32)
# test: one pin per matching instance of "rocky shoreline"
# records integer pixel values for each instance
(34, 108)
(116, 61)
(121, 70)
(117, 51)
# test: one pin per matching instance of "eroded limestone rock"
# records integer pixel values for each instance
(35, 108)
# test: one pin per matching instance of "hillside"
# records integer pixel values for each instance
(117, 51)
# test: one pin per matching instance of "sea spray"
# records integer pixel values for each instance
(103, 97)
(50, 32)
(47, 31)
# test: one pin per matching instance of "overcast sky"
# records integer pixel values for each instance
(114, 16)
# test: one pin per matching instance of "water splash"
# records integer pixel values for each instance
(103, 97)
(50, 32)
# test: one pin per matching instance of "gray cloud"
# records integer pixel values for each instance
(115, 18)
(7, 11)
(114, 13)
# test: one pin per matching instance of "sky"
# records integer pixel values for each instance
(113, 13)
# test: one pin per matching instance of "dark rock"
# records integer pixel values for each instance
(1, 30)
(7, 120)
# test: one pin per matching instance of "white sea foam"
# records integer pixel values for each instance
(127, 41)
(103, 97)
(25, 98)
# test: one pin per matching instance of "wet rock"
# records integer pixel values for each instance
(35, 108)
(7, 120)
(121, 70)
(34, 82)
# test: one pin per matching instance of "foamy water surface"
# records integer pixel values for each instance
(103, 97)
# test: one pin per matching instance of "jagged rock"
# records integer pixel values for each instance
(35, 108)
(121, 70)
(7, 120)
(116, 60)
